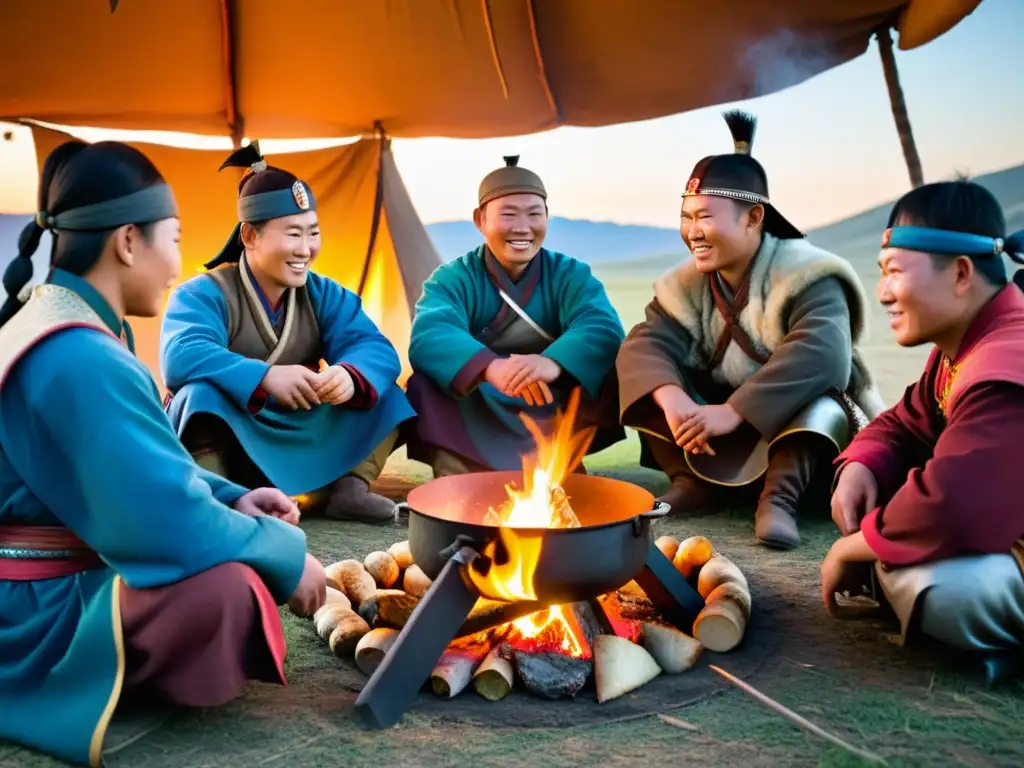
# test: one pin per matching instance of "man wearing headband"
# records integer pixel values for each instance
(509, 329)
(127, 573)
(276, 371)
(929, 493)
(744, 378)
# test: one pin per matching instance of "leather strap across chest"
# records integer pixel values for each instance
(733, 331)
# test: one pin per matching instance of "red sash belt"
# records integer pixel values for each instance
(31, 552)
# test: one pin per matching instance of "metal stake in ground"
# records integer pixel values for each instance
(432, 626)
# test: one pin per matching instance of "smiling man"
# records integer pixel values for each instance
(509, 328)
(929, 493)
(276, 373)
(746, 366)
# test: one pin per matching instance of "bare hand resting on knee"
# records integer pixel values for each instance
(269, 501)
(312, 590)
(293, 386)
(856, 494)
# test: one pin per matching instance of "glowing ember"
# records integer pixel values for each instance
(555, 629)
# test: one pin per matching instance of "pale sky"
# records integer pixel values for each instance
(829, 145)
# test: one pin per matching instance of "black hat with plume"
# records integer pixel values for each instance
(264, 193)
(739, 176)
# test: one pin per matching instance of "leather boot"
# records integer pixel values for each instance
(689, 495)
(790, 469)
(351, 499)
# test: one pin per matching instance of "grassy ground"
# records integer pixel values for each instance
(914, 707)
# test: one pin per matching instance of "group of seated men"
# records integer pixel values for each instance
(744, 380)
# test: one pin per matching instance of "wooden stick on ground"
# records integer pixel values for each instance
(794, 717)
(675, 721)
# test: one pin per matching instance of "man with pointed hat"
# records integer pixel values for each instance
(744, 378)
(509, 329)
(275, 372)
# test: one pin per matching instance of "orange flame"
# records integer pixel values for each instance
(541, 504)
(557, 623)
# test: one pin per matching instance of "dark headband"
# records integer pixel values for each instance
(142, 207)
(276, 204)
(263, 207)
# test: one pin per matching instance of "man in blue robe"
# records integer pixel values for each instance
(510, 328)
(241, 351)
(125, 569)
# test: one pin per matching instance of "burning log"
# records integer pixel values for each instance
(674, 651)
(454, 670)
(720, 627)
(621, 666)
(373, 647)
(562, 514)
(633, 590)
(494, 677)
(402, 554)
(552, 675)
(415, 581)
(383, 567)
(692, 554)
(633, 607)
(487, 614)
(589, 621)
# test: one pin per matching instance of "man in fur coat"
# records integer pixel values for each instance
(744, 379)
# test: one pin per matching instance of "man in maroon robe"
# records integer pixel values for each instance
(929, 492)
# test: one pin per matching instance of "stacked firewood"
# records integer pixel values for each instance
(364, 610)
(722, 623)
(369, 602)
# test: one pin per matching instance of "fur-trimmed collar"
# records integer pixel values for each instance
(781, 271)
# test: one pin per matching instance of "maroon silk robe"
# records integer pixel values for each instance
(947, 457)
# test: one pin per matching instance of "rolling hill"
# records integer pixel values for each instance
(643, 249)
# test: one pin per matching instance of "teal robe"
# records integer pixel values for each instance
(85, 444)
(298, 451)
(462, 324)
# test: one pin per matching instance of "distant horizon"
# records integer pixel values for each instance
(822, 225)
(829, 145)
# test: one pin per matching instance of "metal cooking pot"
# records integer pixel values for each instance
(606, 552)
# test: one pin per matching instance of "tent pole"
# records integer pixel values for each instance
(899, 107)
(236, 124)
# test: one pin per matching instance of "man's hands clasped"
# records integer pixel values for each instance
(693, 425)
(524, 376)
(296, 386)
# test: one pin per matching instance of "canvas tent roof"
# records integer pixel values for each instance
(455, 68)
(355, 184)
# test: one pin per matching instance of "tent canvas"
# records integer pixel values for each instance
(373, 241)
(455, 68)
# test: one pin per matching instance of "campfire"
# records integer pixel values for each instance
(488, 619)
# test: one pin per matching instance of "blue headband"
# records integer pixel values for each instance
(277, 204)
(949, 243)
(262, 207)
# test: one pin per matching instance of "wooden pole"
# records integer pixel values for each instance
(899, 107)
(228, 20)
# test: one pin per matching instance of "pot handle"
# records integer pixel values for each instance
(401, 513)
(660, 510)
